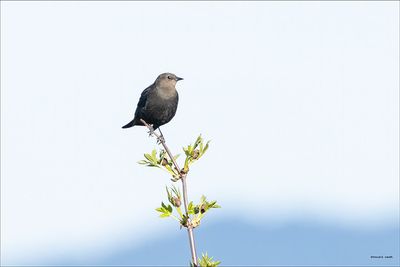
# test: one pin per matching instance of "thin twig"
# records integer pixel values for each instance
(182, 176)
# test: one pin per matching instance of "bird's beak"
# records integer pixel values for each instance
(178, 78)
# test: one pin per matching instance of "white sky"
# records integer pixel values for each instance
(300, 99)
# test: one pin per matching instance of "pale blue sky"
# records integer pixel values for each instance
(300, 99)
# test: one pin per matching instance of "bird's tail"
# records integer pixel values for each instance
(130, 124)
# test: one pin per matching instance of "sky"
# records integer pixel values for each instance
(299, 99)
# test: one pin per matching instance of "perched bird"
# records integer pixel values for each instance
(158, 102)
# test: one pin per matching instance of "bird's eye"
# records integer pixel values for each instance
(169, 77)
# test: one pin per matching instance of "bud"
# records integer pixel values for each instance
(184, 221)
(176, 202)
(203, 208)
(196, 210)
(164, 162)
(196, 153)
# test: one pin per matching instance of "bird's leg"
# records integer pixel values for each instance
(151, 130)
(160, 139)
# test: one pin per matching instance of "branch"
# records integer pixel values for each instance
(182, 176)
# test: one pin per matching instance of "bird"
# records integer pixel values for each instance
(158, 103)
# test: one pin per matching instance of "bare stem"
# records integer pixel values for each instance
(184, 189)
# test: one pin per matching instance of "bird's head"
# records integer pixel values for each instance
(167, 80)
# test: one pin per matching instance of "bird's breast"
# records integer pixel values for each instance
(166, 93)
(160, 109)
(159, 101)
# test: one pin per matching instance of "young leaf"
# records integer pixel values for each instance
(198, 141)
(160, 209)
(213, 204)
(176, 191)
(186, 151)
(154, 155)
(206, 261)
(148, 157)
(206, 147)
(170, 199)
(190, 208)
(169, 208)
(164, 215)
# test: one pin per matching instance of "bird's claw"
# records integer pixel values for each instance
(151, 130)
(160, 139)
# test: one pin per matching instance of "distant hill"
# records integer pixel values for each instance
(238, 243)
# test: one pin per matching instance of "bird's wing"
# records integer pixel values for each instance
(141, 106)
(143, 97)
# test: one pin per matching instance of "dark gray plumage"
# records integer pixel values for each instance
(158, 102)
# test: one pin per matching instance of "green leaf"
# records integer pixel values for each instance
(153, 165)
(154, 155)
(206, 147)
(165, 215)
(148, 157)
(170, 199)
(213, 204)
(186, 151)
(170, 170)
(169, 208)
(206, 261)
(198, 141)
(176, 191)
(162, 153)
(160, 209)
(190, 208)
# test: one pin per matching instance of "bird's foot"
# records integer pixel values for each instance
(151, 130)
(160, 139)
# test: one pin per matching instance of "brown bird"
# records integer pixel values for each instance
(158, 102)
